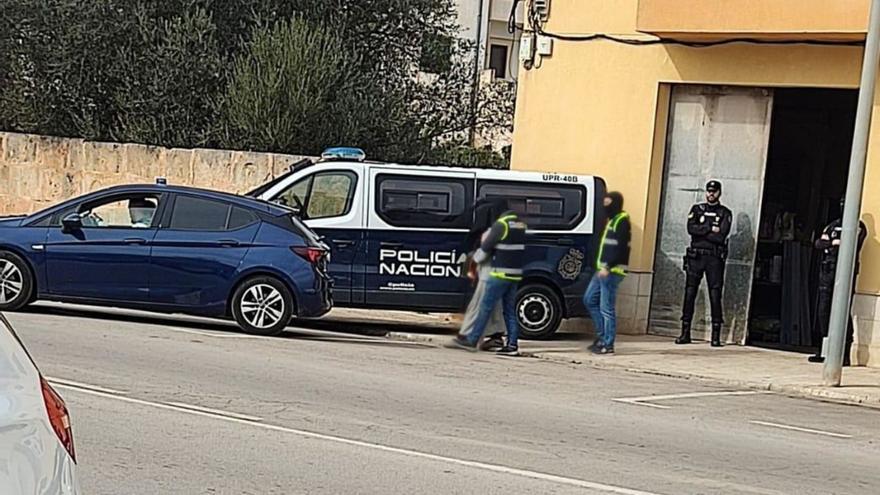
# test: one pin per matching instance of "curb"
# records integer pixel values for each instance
(414, 337)
(823, 394)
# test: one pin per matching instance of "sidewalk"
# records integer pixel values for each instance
(744, 367)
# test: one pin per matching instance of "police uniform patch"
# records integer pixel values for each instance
(571, 264)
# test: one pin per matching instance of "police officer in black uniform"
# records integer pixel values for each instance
(709, 226)
(829, 245)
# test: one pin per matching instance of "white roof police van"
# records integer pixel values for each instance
(397, 231)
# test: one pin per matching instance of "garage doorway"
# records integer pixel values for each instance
(807, 163)
(782, 155)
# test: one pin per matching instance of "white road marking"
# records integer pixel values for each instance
(648, 400)
(640, 403)
(218, 412)
(802, 430)
(562, 480)
(71, 383)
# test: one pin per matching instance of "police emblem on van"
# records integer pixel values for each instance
(411, 263)
(571, 264)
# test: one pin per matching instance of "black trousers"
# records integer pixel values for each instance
(823, 309)
(696, 267)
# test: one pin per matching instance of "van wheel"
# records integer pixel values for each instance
(539, 310)
(262, 306)
(16, 282)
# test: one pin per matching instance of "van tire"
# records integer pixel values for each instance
(16, 282)
(262, 295)
(539, 311)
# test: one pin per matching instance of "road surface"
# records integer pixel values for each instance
(170, 405)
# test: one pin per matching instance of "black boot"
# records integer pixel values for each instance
(685, 337)
(716, 335)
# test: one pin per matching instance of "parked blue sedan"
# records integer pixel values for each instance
(168, 249)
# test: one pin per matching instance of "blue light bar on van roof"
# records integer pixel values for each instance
(342, 153)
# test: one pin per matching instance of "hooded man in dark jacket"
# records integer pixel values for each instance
(611, 268)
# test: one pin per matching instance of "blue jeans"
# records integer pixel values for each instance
(599, 300)
(503, 291)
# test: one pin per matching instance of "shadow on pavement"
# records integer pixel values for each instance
(368, 326)
(107, 314)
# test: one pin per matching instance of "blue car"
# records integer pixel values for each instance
(168, 249)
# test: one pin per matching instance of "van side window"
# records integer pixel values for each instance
(322, 195)
(330, 195)
(550, 207)
(295, 195)
(424, 202)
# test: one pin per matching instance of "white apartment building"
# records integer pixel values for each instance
(486, 23)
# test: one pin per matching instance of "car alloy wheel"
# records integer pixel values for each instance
(11, 282)
(262, 306)
(535, 312)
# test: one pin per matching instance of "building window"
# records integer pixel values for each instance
(498, 60)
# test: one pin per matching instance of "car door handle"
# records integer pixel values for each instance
(135, 240)
(391, 245)
(342, 242)
(565, 242)
(228, 243)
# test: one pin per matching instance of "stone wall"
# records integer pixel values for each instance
(38, 171)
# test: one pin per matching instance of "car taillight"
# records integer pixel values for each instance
(312, 254)
(58, 417)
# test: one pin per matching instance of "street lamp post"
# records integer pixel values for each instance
(843, 280)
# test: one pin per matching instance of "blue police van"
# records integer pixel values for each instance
(396, 232)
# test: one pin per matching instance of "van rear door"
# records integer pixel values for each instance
(417, 223)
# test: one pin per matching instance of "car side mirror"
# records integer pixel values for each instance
(72, 222)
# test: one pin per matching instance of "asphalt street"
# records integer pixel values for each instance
(168, 405)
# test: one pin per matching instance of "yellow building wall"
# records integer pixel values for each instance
(804, 19)
(599, 108)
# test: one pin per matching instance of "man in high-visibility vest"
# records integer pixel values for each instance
(611, 268)
(504, 248)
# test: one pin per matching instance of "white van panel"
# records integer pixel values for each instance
(366, 216)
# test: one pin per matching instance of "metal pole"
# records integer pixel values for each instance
(478, 67)
(843, 280)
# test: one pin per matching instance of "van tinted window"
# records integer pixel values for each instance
(424, 202)
(547, 207)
